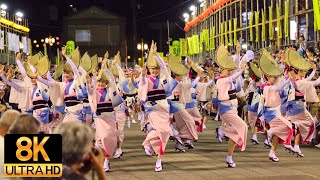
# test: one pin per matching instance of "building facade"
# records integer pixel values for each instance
(96, 31)
(254, 23)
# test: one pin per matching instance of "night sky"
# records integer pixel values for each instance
(157, 11)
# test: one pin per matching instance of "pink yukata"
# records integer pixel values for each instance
(153, 93)
(270, 107)
(303, 91)
(102, 103)
(232, 125)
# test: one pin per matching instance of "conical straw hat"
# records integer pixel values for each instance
(42, 65)
(116, 60)
(58, 72)
(296, 61)
(102, 76)
(268, 65)
(151, 60)
(94, 62)
(224, 60)
(255, 69)
(75, 57)
(86, 62)
(176, 66)
(29, 72)
(35, 58)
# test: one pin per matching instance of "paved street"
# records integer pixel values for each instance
(207, 161)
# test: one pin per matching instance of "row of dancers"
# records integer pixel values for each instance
(164, 97)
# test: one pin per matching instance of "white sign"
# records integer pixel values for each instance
(10, 41)
(1, 39)
(25, 44)
(17, 43)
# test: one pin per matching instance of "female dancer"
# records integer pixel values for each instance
(103, 99)
(280, 128)
(253, 101)
(301, 91)
(232, 125)
(70, 92)
(153, 91)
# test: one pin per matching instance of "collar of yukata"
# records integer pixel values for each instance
(220, 76)
(69, 80)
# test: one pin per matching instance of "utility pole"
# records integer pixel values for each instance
(134, 27)
(169, 39)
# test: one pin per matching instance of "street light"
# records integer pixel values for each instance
(3, 6)
(19, 16)
(192, 8)
(145, 46)
(142, 46)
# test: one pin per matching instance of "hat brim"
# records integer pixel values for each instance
(268, 65)
(176, 66)
(296, 61)
(86, 62)
(224, 60)
(255, 69)
(42, 66)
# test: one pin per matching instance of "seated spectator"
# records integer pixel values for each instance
(78, 155)
(6, 121)
(25, 124)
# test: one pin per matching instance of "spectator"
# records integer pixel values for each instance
(25, 124)
(6, 121)
(207, 62)
(77, 152)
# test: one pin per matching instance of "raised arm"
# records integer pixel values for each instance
(194, 82)
(82, 71)
(283, 84)
(235, 75)
(161, 62)
(21, 68)
(48, 82)
(10, 83)
(49, 76)
(73, 66)
(311, 75)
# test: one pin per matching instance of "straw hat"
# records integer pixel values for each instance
(30, 73)
(75, 57)
(194, 66)
(224, 60)
(42, 65)
(151, 60)
(287, 56)
(255, 70)
(176, 66)
(35, 58)
(296, 61)
(102, 76)
(116, 60)
(94, 62)
(268, 65)
(86, 62)
(58, 72)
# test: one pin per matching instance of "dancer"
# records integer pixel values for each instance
(103, 99)
(232, 125)
(269, 106)
(153, 90)
(184, 128)
(302, 91)
(253, 98)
